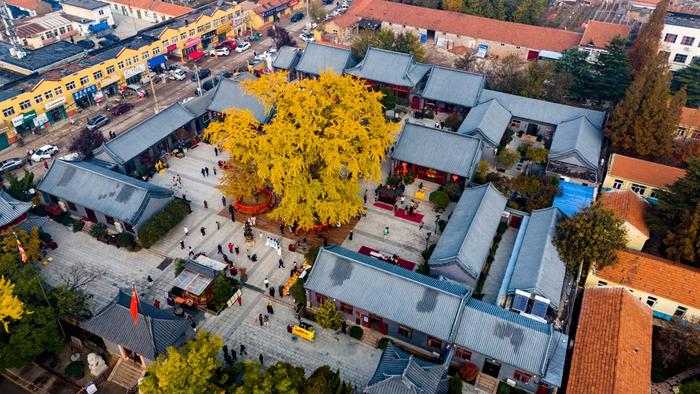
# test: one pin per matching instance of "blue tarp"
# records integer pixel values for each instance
(97, 27)
(156, 61)
(573, 197)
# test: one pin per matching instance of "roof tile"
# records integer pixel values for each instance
(642, 171)
(599, 34)
(690, 117)
(628, 206)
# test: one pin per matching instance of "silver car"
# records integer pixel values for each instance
(11, 164)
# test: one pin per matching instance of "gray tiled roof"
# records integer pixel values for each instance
(452, 86)
(86, 4)
(489, 119)
(414, 300)
(102, 190)
(511, 338)
(286, 58)
(230, 94)
(198, 105)
(146, 134)
(469, 233)
(36, 59)
(156, 330)
(107, 53)
(538, 268)
(540, 110)
(577, 141)
(399, 372)
(317, 57)
(11, 209)
(390, 67)
(438, 149)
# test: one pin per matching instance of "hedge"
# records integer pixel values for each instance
(162, 222)
(356, 332)
(439, 199)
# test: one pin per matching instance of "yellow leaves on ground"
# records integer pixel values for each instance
(327, 135)
(10, 306)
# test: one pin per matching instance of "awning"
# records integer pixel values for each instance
(550, 55)
(156, 61)
(195, 54)
(97, 27)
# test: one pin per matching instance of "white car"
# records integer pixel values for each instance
(71, 157)
(45, 152)
(243, 46)
(307, 37)
(177, 75)
(223, 51)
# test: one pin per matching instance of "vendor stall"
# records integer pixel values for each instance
(196, 281)
(389, 193)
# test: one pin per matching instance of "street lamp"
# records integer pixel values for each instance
(427, 239)
(199, 85)
(437, 222)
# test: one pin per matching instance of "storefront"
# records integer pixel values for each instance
(191, 51)
(85, 97)
(133, 74)
(157, 62)
(207, 39)
(221, 32)
(55, 109)
(24, 123)
(110, 85)
(273, 14)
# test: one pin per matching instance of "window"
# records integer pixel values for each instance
(110, 70)
(145, 55)
(651, 301)
(84, 81)
(58, 91)
(680, 58)
(320, 298)
(223, 19)
(70, 86)
(48, 95)
(654, 193)
(687, 40)
(681, 132)
(71, 206)
(97, 75)
(38, 99)
(128, 62)
(405, 332)
(522, 377)
(174, 39)
(120, 65)
(191, 32)
(207, 26)
(110, 220)
(63, 31)
(216, 22)
(25, 104)
(670, 38)
(8, 111)
(602, 283)
(462, 354)
(135, 59)
(165, 43)
(680, 311)
(639, 189)
(345, 308)
(434, 342)
(617, 184)
(200, 29)
(101, 12)
(156, 51)
(183, 36)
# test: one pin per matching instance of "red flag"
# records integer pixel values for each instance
(134, 307)
(22, 253)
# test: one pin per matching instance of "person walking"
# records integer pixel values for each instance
(230, 248)
(234, 356)
(242, 350)
(191, 253)
(218, 225)
(386, 232)
(266, 319)
(206, 205)
(204, 231)
(261, 359)
(294, 265)
(182, 244)
(260, 319)
(272, 292)
(223, 200)
(282, 229)
(365, 197)
(220, 250)
(230, 209)
(227, 358)
(206, 170)
(350, 236)
(202, 171)
(216, 151)
(187, 231)
(266, 283)
(280, 264)
(269, 308)
(233, 216)
(214, 169)
(237, 250)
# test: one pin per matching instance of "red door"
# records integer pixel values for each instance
(415, 102)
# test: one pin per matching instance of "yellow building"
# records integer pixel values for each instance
(43, 99)
(670, 289)
(631, 208)
(273, 11)
(642, 177)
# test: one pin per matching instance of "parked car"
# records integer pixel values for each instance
(219, 52)
(177, 75)
(11, 164)
(243, 46)
(223, 74)
(297, 17)
(203, 73)
(230, 44)
(104, 43)
(306, 37)
(136, 89)
(97, 121)
(112, 37)
(74, 156)
(44, 152)
(121, 109)
(87, 44)
(209, 84)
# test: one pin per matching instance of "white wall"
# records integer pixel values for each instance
(676, 48)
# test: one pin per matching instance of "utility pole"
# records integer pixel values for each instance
(199, 85)
(153, 89)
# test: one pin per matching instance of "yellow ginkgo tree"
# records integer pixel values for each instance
(326, 136)
(10, 306)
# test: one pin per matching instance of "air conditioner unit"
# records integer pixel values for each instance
(510, 382)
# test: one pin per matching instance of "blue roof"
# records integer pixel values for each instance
(573, 198)
(400, 372)
(317, 58)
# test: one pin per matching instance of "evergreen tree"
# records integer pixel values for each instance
(689, 77)
(474, 7)
(574, 63)
(612, 72)
(500, 7)
(647, 44)
(529, 11)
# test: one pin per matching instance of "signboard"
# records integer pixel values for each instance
(273, 11)
(130, 72)
(192, 42)
(238, 20)
(84, 92)
(223, 29)
(18, 120)
(110, 80)
(41, 120)
(55, 103)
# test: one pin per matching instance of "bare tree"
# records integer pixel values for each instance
(78, 276)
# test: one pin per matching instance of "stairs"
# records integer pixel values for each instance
(371, 337)
(126, 373)
(487, 383)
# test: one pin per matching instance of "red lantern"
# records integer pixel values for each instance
(454, 178)
(404, 171)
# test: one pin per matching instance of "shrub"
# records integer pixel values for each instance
(356, 332)
(507, 137)
(469, 372)
(45, 237)
(298, 293)
(75, 370)
(453, 190)
(429, 115)
(389, 99)
(453, 120)
(427, 252)
(455, 386)
(125, 240)
(162, 222)
(179, 266)
(223, 290)
(77, 225)
(392, 181)
(328, 316)
(382, 343)
(423, 269)
(98, 231)
(409, 178)
(442, 223)
(439, 199)
(311, 255)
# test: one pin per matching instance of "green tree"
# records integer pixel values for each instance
(591, 238)
(405, 42)
(455, 386)
(611, 73)
(646, 45)
(675, 216)
(315, 160)
(389, 99)
(19, 188)
(692, 387)
(573, 61)
(530, 192)
(325, 381)
(537, 154)
(328, 316)
(190, 370)
(279, 378)
(474, 7)
(507, 158)
(688, 78)
(529, 11)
